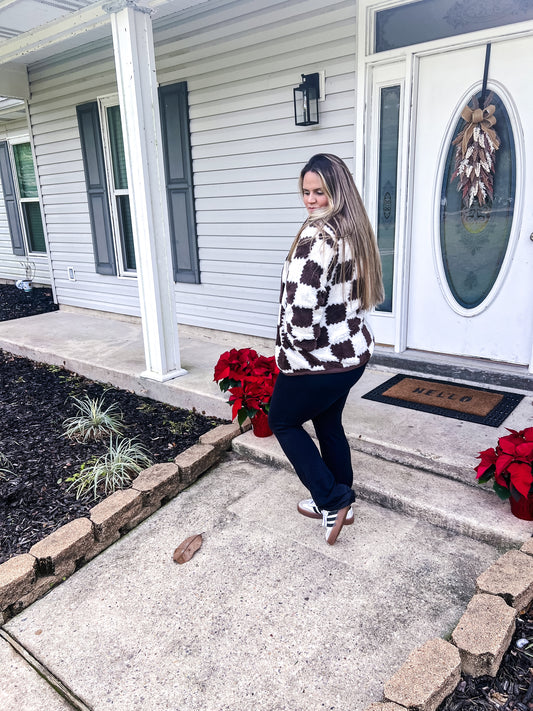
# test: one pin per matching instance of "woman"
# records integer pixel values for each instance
(332, 275)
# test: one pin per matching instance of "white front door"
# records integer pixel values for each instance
(471, 270)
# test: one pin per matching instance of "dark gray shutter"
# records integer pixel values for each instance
(174, 109)
(10, 199)
(95, 180)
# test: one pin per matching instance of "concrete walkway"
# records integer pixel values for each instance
(266, 615)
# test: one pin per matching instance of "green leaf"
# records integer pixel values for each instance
(502, 491)
(241, 416)
(486, 476)
(226, 383)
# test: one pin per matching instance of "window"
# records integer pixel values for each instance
(474, 239)
(118, 185)
(21, 198)
(427, 20)
(107, 185)
(387, 186)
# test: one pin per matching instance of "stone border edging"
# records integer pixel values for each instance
(27, 577)
(478, 642)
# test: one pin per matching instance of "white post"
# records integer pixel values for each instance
(139, 107)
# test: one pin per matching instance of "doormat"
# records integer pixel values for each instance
(439, 397)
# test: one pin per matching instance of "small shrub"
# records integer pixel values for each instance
(146, 407)
(180, 428)
(92, 420)
(112, 470)
(6, 467)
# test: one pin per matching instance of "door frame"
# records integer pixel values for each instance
(382, 69)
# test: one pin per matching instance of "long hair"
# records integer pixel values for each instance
(345, 214)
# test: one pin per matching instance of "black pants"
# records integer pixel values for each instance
(321, 398)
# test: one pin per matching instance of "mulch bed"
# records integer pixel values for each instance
(15, 303)
(35, 399)
(512, 688)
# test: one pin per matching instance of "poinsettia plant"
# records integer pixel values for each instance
(510, 463)
(250, 379)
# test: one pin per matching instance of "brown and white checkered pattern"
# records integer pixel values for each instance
(320, 326)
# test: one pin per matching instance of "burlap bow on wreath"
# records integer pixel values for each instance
(474, 156)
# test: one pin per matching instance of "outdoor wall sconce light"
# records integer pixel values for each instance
(306, 97)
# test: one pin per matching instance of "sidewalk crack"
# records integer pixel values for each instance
(55, 682)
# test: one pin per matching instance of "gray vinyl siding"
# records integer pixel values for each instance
(10, 264)
(241, 61)
(57, 87)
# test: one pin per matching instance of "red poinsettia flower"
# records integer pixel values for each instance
(520, 477)
(511, 464)
(525, 451)
(527, 434)
(488, 460)
(509, 443)
(246, 401)
(265, 368)
(234, 364)
(502, 462)
(250, 379)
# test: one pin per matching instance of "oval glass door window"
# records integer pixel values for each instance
(474, 239)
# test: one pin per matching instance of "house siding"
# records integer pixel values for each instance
(240, 61)
(11, 267)
(57, 87)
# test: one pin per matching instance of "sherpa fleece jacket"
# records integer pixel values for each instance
(320, 326)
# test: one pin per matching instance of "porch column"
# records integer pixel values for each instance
(139, 107)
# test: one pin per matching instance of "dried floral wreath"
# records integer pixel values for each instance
(474, 156)
(476, 145)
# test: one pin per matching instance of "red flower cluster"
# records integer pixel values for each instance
(511, 465)
(250, 379)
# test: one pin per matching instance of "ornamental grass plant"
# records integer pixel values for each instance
(113, 470)
(93, 421)
(6, 467)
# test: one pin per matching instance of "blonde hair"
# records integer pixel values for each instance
(347, 218)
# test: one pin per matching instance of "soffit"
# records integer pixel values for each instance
(34, 30)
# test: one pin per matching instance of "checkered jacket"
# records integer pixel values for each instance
(320, 326)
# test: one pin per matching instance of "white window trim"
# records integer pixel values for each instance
(104, 102)
(14, 142)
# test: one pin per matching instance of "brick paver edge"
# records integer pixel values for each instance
(26, 577)
(427, 673)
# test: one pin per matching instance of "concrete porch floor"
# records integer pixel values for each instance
(111, 351)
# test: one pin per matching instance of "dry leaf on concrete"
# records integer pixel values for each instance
(187, 548)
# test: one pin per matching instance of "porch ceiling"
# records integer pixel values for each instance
(32, 30)
(35, 30)
(19, 16)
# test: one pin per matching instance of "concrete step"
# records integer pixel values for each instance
(447, 503)
(474, 371)
(443, 445)
(411, 456)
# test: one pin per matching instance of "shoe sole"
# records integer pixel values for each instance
(347, 522)
(339, 523)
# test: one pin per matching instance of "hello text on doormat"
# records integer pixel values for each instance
(439, 397)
